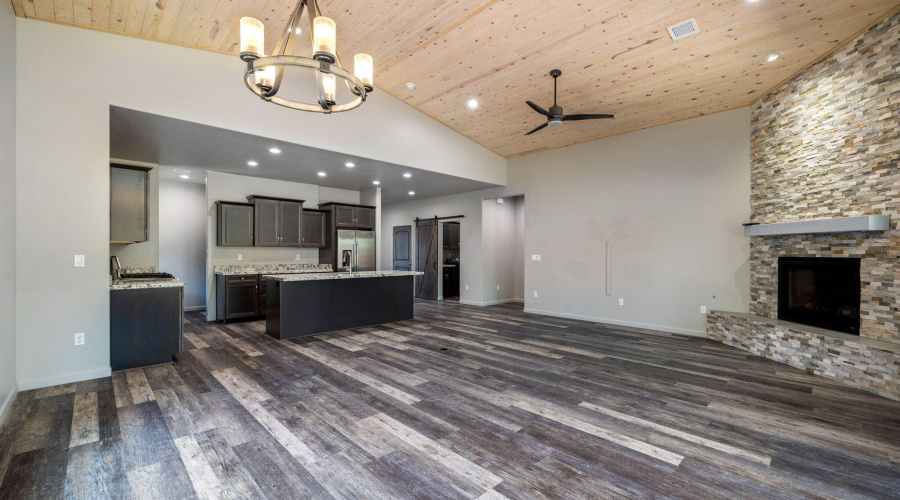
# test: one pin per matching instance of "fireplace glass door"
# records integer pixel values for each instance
(819, 291)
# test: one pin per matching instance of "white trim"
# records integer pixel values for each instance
(4, 408)
(194, 308)
(632, 324)
(67, 378)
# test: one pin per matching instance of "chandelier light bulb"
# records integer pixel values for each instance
(324, 39)
(252, 38)
(329, 85)
(265, 78)
(364, 68)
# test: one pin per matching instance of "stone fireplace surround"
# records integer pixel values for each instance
(827, 144)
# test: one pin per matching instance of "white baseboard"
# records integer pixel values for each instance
(5, 406)
(194, 308)
(67, 378)
(632, 324)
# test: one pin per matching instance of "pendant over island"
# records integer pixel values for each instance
(309, 304)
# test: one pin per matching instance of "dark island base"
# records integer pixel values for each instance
(297, 308)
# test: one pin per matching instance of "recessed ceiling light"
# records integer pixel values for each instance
(411, 86)
(322, 174)
(298, 30)
(752, 1)
(412, 193)
(183, 176)
(349, 164)
(275, 151)
(252, 163)
(376, 182)
(407, 175)
(181, 171)
(771, 57)
(473, 103)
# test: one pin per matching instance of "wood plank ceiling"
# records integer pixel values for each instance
(616, 56)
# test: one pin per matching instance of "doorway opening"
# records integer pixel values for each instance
(449, 250)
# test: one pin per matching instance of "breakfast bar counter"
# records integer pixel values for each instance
(308, 304)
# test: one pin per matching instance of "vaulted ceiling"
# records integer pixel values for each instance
(616, 55)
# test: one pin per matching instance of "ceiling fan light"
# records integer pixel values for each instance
(364, 68)
(324, 39)
(265, 78)
(252, 38)
(329, 84)
(554, 122)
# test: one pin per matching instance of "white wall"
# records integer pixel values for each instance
(671, 199)
(372, 197)
(7, 207)
(182, 237)
(519, 248)
(499, 247)
(67, 79)
(229, 187)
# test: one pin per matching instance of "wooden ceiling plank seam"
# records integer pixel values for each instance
(223, 20)
(183, 21)
(100, 13)
(232, 26)
(82, 12)
(170, 11)
(202, 18)
(152, 15)
(63, 10)
(44, 8)
(118, 15)
(137, 10)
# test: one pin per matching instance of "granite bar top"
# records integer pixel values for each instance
(338, 276)
(239, 269)
(135, 284)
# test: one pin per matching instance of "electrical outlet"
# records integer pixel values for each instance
(535, 293)
(535, 257)
(621, 302)
(498, 287)
(240, 256)
(79, 339)
(79, 261)
(297, 257)
(702, 309)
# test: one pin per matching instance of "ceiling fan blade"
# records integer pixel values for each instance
(535, 130)
(538, 108)
(585, 117)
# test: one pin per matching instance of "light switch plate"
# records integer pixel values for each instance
(298, 257)
(702, 309)
(621, 302)
(498, 287)
(79, 261)
(240, 256)
(535, 293)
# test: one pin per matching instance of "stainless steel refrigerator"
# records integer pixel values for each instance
(355, 246)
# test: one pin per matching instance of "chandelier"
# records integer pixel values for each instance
(264, 73)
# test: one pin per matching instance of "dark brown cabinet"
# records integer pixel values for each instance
(128, 204)
(277, 222)
(234, 224)
(355, 216)
(451, 236)
(238, 297)
(313, 227)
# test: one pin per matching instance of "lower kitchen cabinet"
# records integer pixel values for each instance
(145, 326)
(238, 297)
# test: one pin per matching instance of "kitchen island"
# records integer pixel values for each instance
(308, 304)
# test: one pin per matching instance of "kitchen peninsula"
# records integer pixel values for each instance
(308, 304)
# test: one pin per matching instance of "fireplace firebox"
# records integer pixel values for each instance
(820, 291)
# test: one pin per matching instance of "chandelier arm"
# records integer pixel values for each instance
(307, 63)
(285, 41)
(321, 87)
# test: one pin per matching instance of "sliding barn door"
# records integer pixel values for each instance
(426, 259)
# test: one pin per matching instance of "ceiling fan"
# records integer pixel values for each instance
(555, 116)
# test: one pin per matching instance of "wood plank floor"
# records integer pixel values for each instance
(461, 402)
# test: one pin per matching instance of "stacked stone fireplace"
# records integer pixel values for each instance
(826, 144)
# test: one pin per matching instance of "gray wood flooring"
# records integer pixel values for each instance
(461, 402)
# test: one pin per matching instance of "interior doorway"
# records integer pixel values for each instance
(449, 250)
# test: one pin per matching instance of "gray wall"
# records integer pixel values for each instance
(671, 199)
(182, 237)
(7, 207)
(499, 250)
(63, 154)
(519, 248)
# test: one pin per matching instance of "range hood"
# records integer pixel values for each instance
(832, 225)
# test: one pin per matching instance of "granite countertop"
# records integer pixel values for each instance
(337, 276)
(135, 284)
(239, 269)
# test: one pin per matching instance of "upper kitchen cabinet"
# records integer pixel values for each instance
(128, 198)
(314, 224)
(451, 236)
(278, 222)
(356, 216)
(235, 224)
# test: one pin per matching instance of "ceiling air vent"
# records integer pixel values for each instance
(684, 29)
